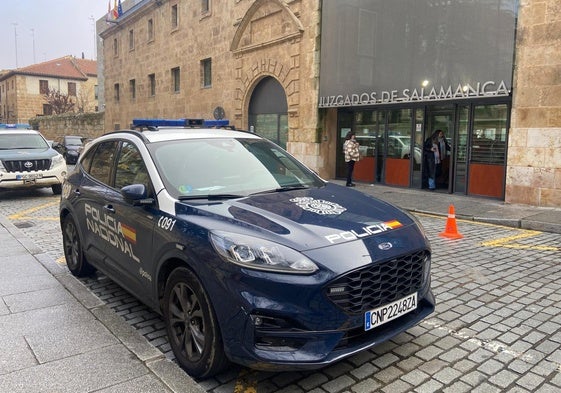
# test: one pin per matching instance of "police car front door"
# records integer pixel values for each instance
(130, 252)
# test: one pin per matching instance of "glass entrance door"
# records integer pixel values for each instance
(398, 151)
(440, 118)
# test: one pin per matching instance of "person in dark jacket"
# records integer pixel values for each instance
(430, 152)
(443, 163)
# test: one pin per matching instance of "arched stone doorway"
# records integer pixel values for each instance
(268, 111)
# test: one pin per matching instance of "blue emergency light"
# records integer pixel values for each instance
(178, 123)
(167, 122)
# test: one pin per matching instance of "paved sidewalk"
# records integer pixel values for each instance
(469, 208)
(58, 337)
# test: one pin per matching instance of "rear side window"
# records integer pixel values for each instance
(100, 161)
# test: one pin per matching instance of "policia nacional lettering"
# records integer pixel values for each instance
(119, 235)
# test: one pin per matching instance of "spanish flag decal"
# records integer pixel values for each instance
(393, 224)
(129, 233)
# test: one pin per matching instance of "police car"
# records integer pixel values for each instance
(249, 256)
(27, 160)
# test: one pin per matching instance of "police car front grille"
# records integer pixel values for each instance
(378, 284)
(26, 165)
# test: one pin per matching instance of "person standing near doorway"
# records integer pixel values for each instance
(442, 166)
(430, 150)
(352, 155)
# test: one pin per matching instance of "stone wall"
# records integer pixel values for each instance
(534, 155)
(89, 125)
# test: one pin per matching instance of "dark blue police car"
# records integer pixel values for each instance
(249, 255)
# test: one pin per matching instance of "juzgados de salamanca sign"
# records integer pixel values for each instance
(462, 91)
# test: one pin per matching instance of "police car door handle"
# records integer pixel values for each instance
(109, 208)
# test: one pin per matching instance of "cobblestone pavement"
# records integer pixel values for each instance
(497, 325)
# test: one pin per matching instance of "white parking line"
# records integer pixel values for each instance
(493, 346)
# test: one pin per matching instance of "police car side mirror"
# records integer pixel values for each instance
(136, 194)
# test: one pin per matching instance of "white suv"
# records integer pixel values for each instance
(27, 160)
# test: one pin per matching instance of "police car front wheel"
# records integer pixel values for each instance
(192, 328)
(73, 253)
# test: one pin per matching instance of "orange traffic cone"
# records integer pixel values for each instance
(451, 231)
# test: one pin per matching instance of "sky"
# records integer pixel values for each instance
(43, 30)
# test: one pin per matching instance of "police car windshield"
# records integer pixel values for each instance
(22, 141)
(226, 166)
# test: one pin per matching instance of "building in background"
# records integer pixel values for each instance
(303, 73)
(22, 91)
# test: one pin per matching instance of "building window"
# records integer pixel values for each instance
(132, 86)
(152, 81)
(131, 39)
(72, 89)
(43, 86)
(176, 79)
(150, 30)
(206, 72)
(205, 6)
(174, 16)
(115, 47)
(47, 109)
(116, 90)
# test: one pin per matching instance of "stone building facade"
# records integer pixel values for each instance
(534, 154)
(157, 55)
(22, 91)
(245, 41)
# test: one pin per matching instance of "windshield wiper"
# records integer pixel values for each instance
(282, 189)
(211, 197)
(28, 147)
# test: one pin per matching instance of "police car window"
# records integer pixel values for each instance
(130, 167)
(86, 159)
(226, 166)
(102, 160)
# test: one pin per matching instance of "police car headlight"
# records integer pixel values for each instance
(260, 254)
(57, 160)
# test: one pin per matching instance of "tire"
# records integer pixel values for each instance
(192, 329)
(73, 253)
(57, 189)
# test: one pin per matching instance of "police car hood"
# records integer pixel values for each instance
(27, 154)
(307, 219)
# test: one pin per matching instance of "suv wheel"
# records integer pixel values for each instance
(57, 189)
(73, 253)
(192, 328)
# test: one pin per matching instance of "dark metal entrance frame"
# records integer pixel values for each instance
(477, 131)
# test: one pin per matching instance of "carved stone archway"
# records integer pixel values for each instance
(266, 44)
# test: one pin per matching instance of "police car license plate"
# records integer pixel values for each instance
(389, 312)
(29, 176)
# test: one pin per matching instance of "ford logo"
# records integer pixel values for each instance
(28, 164)
(385, 246)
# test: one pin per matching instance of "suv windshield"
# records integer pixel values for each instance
(22, 141)
(73, 141)
(227, 166)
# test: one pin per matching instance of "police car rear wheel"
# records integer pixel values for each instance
(192, 329)
(73, 253)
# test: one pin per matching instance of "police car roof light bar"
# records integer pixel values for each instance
(167, 122)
